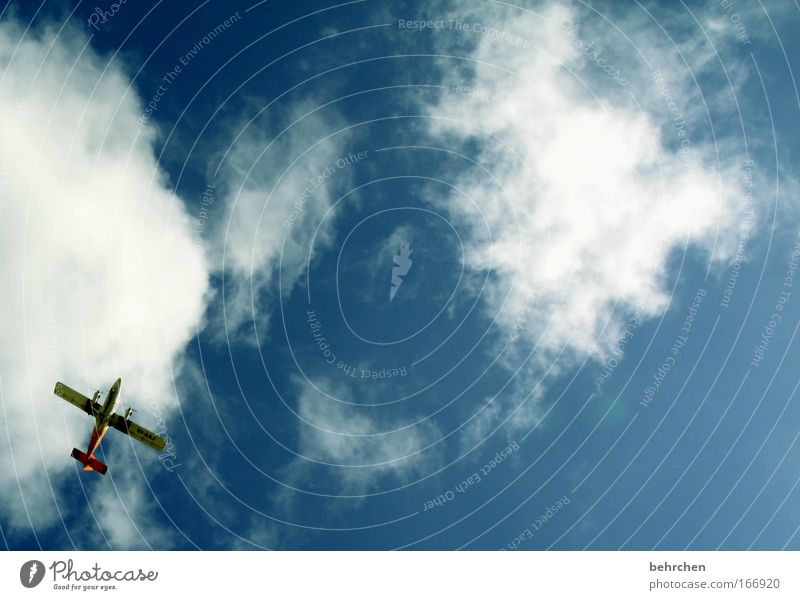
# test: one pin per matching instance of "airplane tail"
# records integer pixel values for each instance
(90, 463)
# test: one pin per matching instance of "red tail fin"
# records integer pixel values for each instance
(90, 463)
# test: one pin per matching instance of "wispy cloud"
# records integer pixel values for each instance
(277, 185)
(350, 449)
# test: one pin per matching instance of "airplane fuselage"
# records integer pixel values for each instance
(103, 417)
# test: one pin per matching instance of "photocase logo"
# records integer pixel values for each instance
(31, 573)
(403, 263)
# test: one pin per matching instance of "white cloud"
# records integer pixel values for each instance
(592, 192)
(101, 275)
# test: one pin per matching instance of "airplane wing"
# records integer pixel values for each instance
(138, 432)
(76, 399)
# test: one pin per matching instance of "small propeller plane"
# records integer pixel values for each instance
(105, 417)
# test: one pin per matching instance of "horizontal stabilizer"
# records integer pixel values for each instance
(90, 463)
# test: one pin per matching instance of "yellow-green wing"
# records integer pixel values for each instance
(76, 399)
(138, 432)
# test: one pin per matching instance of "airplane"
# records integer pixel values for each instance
(105, 417)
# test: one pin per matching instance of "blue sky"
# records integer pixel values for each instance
(592, 341)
